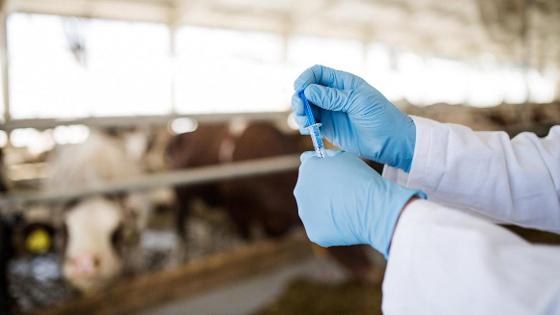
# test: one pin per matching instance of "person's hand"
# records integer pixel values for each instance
(342, 201)
(355, 116)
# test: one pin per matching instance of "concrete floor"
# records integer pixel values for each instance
(249, 295)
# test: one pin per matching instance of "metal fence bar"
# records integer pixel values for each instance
(4, 64)
(125, 121)
(172, 178)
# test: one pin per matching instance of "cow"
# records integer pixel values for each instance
(263, 203)
(99, 233)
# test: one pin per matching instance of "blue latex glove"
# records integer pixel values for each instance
(342, 201)
(356, 117)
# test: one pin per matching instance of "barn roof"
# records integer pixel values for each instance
(507, 29)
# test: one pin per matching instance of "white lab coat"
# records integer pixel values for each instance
(448, 261)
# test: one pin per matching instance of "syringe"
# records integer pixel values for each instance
(313, 127)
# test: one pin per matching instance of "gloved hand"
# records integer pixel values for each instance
(355, 116)
(342, 201)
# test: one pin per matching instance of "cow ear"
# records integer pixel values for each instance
(137, 207)
(130, 216)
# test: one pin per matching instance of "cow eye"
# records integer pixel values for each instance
(117, 237)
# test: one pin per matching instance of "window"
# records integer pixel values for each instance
(305, 51)
(70, 67)
(429, 80)
(230, 71)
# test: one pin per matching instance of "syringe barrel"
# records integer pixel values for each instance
(318, 144)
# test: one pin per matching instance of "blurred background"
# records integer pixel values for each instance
(148, 156)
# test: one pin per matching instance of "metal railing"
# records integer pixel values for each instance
(191, 176)
(147, 120)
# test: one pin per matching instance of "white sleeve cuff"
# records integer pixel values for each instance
(420, 161)
(428, 166)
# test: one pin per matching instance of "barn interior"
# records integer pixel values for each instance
(148, 154)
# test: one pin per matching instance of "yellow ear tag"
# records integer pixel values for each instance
(38, 241)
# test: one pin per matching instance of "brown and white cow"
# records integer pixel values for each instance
(100, 232)
(263, 203)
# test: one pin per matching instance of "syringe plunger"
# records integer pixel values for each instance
(313, 127)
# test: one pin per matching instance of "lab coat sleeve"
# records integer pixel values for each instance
(443, 261)
(509, 180)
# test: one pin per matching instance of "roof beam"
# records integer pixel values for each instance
(145, 11)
